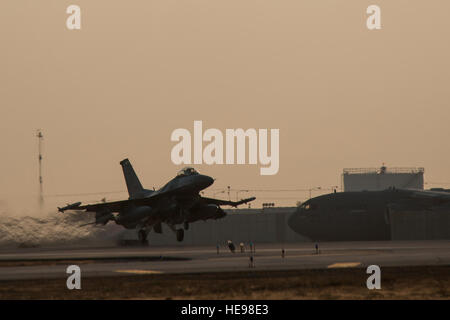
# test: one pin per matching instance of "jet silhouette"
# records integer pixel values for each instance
(177, 202)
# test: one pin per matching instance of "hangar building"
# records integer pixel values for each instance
(376, 179)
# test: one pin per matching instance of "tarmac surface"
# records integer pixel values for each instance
(46, 263)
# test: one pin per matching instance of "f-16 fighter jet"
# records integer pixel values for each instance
(176, 203)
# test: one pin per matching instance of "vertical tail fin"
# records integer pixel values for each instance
(134, 186)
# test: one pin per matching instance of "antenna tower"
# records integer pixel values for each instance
(41, 194)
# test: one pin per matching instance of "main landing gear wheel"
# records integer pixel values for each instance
(180, 235)
(142, 235)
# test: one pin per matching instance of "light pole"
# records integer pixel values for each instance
(41, 192)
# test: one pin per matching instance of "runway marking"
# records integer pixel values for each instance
(344, 265)
(309, 255)
(139, 271)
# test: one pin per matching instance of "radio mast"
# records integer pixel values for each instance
(41, 194)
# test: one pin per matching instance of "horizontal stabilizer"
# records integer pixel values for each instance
(72, 206)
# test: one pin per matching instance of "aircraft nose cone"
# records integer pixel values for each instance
(205, 181)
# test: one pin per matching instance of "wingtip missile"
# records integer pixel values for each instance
(71, 206)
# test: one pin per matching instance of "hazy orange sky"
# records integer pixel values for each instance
(341, 95)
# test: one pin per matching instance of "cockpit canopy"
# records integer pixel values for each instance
(188, 171)
(308, 205)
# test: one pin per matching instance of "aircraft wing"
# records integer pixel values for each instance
(227, 203)
(431, 194)
(114, 206)
(428, 197)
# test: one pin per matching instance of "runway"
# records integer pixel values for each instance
(46, 263)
